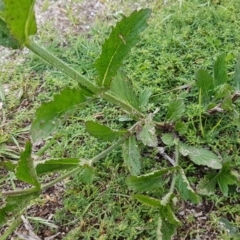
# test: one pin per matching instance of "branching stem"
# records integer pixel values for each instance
(67, 174)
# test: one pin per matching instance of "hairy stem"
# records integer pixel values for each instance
(69, 71)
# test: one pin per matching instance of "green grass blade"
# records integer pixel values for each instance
(20, 18)
(25, 170)
(48, 116)
(123, 36)
(220, 71)
(237, 75)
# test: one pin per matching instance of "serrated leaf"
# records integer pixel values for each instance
(226, 178)
(220, 71)
(237, 74)
(176, 110)
(200, 156)
(165, 230)
(131, 156)
(168, 139)
(48, 115)
(6, 38)
(144, 97)
(148, 133)
(14, 204)
(223, 179)
(207, 185)
(20, 19)
(25, 170)
(148, 181)
(52, 165)
(102, 132)
(149, 201)
(205, 83)
(181, 127)
(123, 89)
(185, 189)
(168, 214)
(123, 36)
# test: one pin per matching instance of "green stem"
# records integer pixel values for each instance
(68, 174)
(173, 183)
(63, 67)
(11, 228)
(59, 64)
(108, 150)
(18, 192)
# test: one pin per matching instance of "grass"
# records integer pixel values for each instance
(179, 40)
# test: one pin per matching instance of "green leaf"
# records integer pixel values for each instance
(200, 156)
(148, 181)
(52, 165)
(144, 97)
(14, 204)
(25, 170)
(102, 132)
(168, 139)
(149, 201)
(48, 115)
(220, 71)
(148, 133)
(181, 127)
(237, 74)
(168, 214)
(123, 89)
(20, 20)
(185, 189)
(6, 38)
(205, 83)
(165, 230)
(176, 110)
(207, 185)
(229, 228)
(123, 36)
(223, 179)
(223, 90)
(131, 155)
